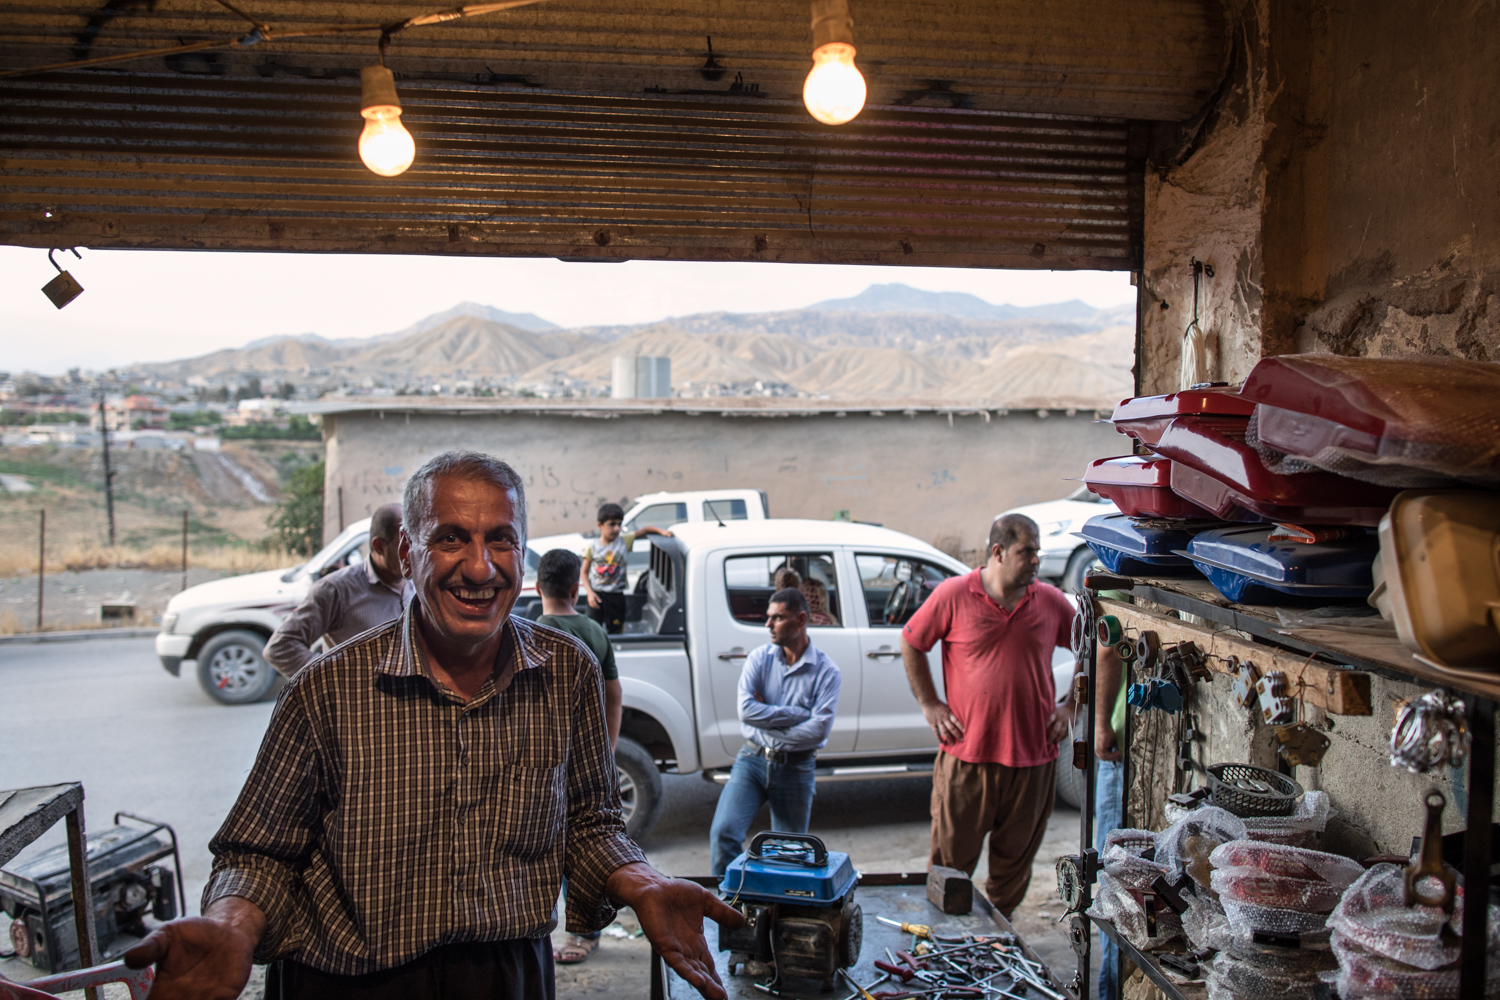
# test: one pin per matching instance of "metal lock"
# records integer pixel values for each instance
(1301, 744)
(64, 288)
(1242, 681)
(1276, 706)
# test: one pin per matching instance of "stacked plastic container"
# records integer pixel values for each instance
(1303, 461)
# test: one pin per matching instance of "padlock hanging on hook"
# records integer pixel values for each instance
(64, 288)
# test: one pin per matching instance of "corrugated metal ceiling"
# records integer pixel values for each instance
(584, 129)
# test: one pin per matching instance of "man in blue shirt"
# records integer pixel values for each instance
(789, 692)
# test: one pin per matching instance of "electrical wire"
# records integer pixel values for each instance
(264, 33)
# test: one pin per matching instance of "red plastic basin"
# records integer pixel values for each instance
(1146, 417)
(1215, 469)
(1141, 486)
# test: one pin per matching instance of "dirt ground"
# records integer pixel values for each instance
(71, 600)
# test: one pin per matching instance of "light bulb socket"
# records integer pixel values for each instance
(378, 88)
(831, 22)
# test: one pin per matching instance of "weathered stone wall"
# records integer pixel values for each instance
(941, 479)
(1342, 186)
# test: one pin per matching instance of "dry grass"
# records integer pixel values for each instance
(18, 558)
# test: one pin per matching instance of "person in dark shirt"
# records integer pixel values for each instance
(557, 580)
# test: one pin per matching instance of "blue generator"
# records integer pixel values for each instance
(798, 900)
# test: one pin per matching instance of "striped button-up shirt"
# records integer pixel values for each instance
(385, 816)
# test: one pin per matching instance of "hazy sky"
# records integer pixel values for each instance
(158, 305)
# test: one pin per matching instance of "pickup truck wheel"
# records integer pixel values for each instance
(640, 788)
(232, 669)
(1078, 568)
(1069, 780)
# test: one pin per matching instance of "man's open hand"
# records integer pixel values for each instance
(196, 958)
(593, 600)
(671, 912)
(943, 722)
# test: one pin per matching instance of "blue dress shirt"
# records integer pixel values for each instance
(788, 707)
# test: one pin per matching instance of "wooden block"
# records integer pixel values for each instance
(950, 890)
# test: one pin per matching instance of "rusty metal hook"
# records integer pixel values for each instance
(72, 250)
(1430, 863)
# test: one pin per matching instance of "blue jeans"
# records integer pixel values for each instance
(752, 781)
(1109, 815)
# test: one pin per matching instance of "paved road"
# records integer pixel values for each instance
(105, 713)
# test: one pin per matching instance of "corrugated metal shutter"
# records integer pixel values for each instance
(255, 149)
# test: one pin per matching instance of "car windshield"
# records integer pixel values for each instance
(326, 553)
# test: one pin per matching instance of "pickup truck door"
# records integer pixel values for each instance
(739, 586)
(891, 586)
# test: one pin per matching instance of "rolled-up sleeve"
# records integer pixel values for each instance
(271, 830)
(597, 843)
(290, 646)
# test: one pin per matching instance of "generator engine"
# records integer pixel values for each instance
(798, 902)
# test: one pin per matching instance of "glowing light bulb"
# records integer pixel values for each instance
(385, 145)
(835, 91)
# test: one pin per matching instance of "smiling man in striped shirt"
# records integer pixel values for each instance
(421, 793)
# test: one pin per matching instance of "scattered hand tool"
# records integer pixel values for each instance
(920, 930)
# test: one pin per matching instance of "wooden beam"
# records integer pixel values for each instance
(1334, 689)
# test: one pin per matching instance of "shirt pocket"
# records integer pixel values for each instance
(535, 804)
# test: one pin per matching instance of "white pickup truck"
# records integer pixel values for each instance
(223, 625)
(706, 594)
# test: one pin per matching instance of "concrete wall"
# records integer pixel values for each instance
(1341, 185)
(937, 477)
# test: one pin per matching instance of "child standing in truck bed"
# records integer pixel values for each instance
(604, 563)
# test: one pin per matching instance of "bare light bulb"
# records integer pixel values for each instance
(385, 145)
(835, 91)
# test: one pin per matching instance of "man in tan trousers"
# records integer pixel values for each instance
(1001, 725)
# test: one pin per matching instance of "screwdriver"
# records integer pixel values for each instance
(920, 930)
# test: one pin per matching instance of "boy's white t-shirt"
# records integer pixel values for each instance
(607, 562)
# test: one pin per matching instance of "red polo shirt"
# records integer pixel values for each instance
(997, 666)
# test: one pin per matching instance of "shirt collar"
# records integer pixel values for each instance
(809, 656)
(976, 585)
(375, 580)
(405, 658)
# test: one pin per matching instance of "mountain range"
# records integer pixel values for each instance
(890, 341)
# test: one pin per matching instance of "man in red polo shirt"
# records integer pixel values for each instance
(1001, 725)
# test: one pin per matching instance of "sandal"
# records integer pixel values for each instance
(575, 950)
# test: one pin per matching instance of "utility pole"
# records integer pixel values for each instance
(109, 475)
(41, 569)
(184, 549)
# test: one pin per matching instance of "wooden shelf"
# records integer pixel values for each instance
(1377, 653)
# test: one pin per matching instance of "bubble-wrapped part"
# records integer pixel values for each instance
(1136, 842)
(1186, 845)
(1130, 869)
(1247, 918)
(1303, 828)
(1373, 914)
(1276, 876)
(1205, 924)
(1363, 973)
(1382, 420)
(1241, 976)
(1113, 902)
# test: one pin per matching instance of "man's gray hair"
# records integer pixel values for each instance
(1008, 529)
(416, 501)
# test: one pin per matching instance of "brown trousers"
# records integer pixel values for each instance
(1011, 804)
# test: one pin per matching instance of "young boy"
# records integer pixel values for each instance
(604, 567)
(557, 581)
